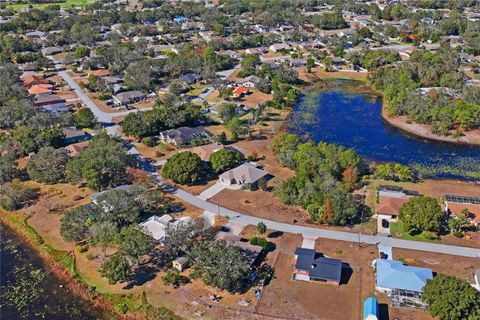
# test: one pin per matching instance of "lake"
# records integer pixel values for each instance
(354, 120)
(29, 291)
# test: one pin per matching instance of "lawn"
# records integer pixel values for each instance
(398, 230)
(64, 4)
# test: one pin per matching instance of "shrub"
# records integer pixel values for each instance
(257, 241)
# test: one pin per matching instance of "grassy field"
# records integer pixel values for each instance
(64, 4)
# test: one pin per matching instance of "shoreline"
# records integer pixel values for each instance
(470, 138)
(59, 268)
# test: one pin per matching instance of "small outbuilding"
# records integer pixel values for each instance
(180, 263)
(370, 309)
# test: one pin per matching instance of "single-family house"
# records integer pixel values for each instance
(205, 151)
(189, 78)
(297, 63)
(455, 204)
(127, 97)
(279, 47)
(94, 197)
(249, 251)
(256, 51)
(156, 226)
(313, 266)
(74, 135)
(74, 149)
(248, 82)
(48, 51)
(183, 135)
(391, 198)
(239, 92)
(181, 263)
(40, 88)
(244, 173)
(50, 102)
(404, 284)
(34, 79)
(180, 19)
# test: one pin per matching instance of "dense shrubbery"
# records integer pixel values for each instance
(438, 108)
(317, 184)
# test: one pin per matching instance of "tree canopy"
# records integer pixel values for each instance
(102, 164)
(183, 167)
(48, 165)
(224, 159)
(450, 298)
(222, 265)
(421, 213)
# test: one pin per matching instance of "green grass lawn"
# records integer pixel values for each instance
(64, 4)
(397, 230)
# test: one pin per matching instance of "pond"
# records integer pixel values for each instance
(30, 291)
(354, 120)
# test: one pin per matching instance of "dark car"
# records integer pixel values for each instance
(385, 223)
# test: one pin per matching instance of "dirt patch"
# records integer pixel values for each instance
(318, 73)
(285, 297)
(259, 204)
(461, 267)
(256, 97)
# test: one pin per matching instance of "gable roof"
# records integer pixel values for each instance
(205, 151)
(393, 274)
(391, 205)
(40, 88)
(318, 266)
(183, 135)
(156, 226)
(249, 251)
(75, 148)
(246, 172)
(240, 90)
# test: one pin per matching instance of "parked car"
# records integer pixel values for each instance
(385, 223)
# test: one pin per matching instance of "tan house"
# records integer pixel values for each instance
(205, 151)
(244, 173)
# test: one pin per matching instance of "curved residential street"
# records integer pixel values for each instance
(313, 233)
(241, 218)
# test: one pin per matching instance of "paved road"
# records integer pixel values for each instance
(311, 232)
(102, 116)
(307, 232)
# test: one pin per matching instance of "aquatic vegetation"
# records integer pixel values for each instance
(354, 120)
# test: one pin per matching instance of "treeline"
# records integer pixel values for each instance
(450, 106)
(324, 175)
(165, 115)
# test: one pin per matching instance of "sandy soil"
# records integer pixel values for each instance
(256, 97)
(318, 73)
(425, 131)
(436, 188)
(461, 267)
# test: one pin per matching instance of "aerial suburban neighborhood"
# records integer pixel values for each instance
(240, 159)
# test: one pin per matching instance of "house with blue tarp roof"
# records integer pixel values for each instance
(404, 284)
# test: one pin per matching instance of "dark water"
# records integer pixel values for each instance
(354, 121)
(29, 291)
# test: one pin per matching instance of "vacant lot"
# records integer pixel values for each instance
(285, 297)
(461, 267)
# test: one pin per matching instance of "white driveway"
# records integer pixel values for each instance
(308, 242)
(213, 190)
